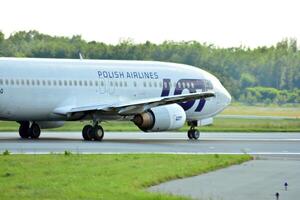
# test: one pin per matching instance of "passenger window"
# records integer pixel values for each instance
(145, 85)
(54, 82)
(38, 82)
(44, 82)
(1, 82)
(111, 84)
(27, 82)
(121, 84)
(125, 83)
(49, 83)
(134, 84)
(91, 83)
(96, 83)
(179, 85)
(150, 84)
(65, 83)
(17, 82)
(70, 83)
(155, 84)
(32, 82)
(192, 85)
(116, 84)
(102, 83)
(12, 82)
(160, 84)
(85, 83)
(188, 85)
(75, 83)
(60, 83)
(183, 85)
(22, 82)
(80, 83)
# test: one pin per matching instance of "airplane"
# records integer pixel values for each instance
(41, 93)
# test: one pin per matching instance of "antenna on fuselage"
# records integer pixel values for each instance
(80, 56)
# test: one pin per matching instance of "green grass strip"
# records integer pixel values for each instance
(112, 177)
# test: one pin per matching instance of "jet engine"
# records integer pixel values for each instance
(50, 124)
(161, 118)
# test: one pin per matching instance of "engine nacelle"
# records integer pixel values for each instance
(50, 124)
(161, 118)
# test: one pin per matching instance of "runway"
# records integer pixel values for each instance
(169, 142)
(257, 179)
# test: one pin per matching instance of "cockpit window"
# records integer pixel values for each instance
(208, 85)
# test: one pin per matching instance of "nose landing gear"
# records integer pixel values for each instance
(193, 134)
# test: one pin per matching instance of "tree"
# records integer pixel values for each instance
(247, 80)
(262, 74)
(1, 37)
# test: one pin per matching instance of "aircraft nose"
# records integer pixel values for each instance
(227, 97)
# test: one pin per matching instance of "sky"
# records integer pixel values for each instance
(224, 23)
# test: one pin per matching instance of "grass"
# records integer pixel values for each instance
(253, 125)
(220, 124)
(110, 177)
(263, 110)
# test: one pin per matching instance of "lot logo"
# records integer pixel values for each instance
(185, 84)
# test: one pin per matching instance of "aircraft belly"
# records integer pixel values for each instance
(28, 105)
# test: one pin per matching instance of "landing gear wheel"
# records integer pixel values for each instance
(98, 133)
(34, 131)
(193, 134)
(24, 130)
(196, 134)
(87, 132)
(189, 134)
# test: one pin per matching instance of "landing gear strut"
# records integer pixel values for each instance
(193, 134)
(29, 131)
(95, 132)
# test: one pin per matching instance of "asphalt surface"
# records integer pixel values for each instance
(258, 179)
(170, 142)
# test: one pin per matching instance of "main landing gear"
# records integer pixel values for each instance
(193, 134)
(95, 132)
(29, 130)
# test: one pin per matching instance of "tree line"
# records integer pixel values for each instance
(259, 75)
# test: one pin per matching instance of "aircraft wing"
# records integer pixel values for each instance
(136, 106)
(140, 106)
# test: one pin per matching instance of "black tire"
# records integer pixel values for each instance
(87, 132)
(190, 134)
(196, 134)
(34, 131)
(24, 130)
(98, 133)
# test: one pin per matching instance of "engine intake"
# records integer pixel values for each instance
(161, 118)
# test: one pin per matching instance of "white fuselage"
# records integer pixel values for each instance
(31, 89)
